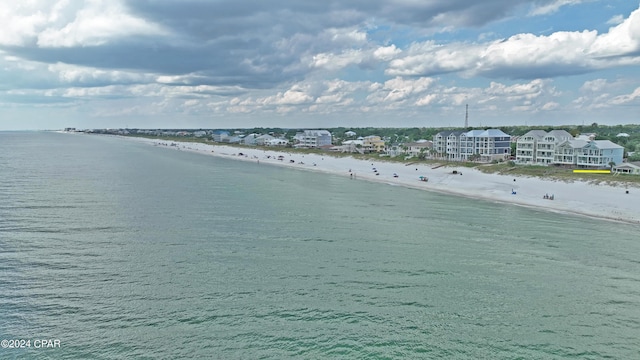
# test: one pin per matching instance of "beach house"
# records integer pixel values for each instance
(588, 154)
(526, 146)
(546, 147)
(539, 147)
(486, 145)
(250, 139)
(628, 168)
(440, 141)
(312, 138)
(373, 143)
(262, 140)
(350, 146)
(414, 149)
(220, 135)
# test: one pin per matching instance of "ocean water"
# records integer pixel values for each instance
(122, 250)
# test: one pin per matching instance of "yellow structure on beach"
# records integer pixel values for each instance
(591, 171)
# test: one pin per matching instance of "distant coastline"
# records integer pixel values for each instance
(616, 202)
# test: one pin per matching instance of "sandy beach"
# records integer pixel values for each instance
(600, 201)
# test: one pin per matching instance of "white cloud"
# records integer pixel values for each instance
(294, 96)
(526, 55)
(426, 100)
(335, 62)
(96, 24)
(399, 89)
(347, 37)
(552, 105)
(616, 20)
(624, 99)
(553, 7)
(161, 57)
(429, 58)
(597, 85)
(67, 23)
(527, 91)
(84, 75)
(621, 40)
(529, 50)
(386, 53)
(17, 26)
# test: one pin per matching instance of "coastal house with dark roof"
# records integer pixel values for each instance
(440, 142)
(488, 145)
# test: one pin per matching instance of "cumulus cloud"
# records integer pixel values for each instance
(621, 40)
(286, 56)
(66, 23)
(101, 21)
(526, 56)
(429, 58)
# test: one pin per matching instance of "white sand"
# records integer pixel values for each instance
(601, 201)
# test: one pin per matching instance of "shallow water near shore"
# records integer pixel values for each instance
(125, 250)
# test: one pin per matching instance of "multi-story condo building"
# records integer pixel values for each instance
(526, 146)
(588, 154)
(313, 138)
(545, 149)
(538, 146)
(440, 141)
(491, 144)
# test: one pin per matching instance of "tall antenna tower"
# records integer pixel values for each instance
(466, 118)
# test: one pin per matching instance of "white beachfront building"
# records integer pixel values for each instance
(277, 142)
(628, 168)
(440, 141)
(250, 139)
(539, 147)
(350, 146)
(414, 149)
(588, 154)
(313, 138)
(262, 140)
(488, 145)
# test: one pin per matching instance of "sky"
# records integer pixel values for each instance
(317, 64)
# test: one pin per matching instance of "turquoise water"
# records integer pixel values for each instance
(126, 250)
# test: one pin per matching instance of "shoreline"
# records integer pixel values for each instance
(606, 202)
